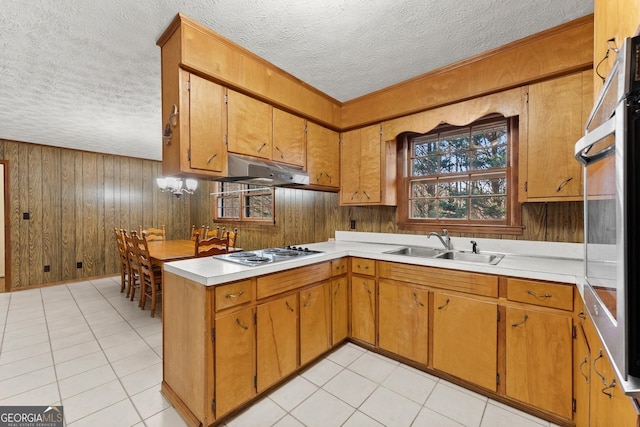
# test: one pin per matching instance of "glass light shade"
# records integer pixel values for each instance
(162, 183)
(192, 184)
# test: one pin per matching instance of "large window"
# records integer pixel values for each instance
(244, 203)
(461, 178)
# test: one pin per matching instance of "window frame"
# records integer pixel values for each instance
(241, 196)
(513, 222)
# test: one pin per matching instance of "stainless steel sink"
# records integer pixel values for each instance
(481, 258)
(416, 251)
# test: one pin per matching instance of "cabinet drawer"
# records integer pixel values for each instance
(338, 266)
(363, 266)
(233, 294)
(292, 279)
(540, 293)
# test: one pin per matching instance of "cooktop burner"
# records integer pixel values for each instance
(267, 256)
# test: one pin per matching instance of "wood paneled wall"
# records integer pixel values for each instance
(75, 199)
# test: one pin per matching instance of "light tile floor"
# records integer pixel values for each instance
(87, 347)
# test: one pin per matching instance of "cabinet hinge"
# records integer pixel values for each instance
(255, 318)
(305, 127)
(189, 85)
(226, 139)
(226, 98)
(526, 186)
(213, 405)
(499, 315)
(255, 381)
(573, 405)
(526, 97)
(213, 334)
(189, 154)
(574, 332)
(498, 379)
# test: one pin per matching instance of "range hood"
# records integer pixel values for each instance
(248, 170)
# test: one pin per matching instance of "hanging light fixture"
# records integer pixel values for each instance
(174, 185)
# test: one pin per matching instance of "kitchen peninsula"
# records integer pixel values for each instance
(232, 332)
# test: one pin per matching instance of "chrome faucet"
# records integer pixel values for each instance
(446, 241)
(474, 247)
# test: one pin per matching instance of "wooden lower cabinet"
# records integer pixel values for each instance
(363, 309)
(581, 377)
(465, 338)
(539, 358)
(315, 321)
(234, 360)
(339, 310)
(403, 320)
(277, 340)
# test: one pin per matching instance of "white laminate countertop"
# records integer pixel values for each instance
(558, 262)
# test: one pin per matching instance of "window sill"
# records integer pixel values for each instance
(454, 227)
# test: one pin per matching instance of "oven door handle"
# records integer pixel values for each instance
(585, 143)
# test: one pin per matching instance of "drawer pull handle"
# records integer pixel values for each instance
(281, 152)
(353, 195)
(415, 297)
(581, 315)
(241, 325)
(337, 289)
(308, 301)
(524, 320)
(446, 303)
(545, 296)
(584, 362)
(234, 295)
(365, 193)
(607, 387)
(595, 368)
(362, 267)
(262, 146)
(288, 306)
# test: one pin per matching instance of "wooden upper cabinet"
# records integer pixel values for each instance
(367, 168)
(557, 116)
(250, 126)
(323, 157)
(289, 139)
(207, 117)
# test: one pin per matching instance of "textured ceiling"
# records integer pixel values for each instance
(86, 74)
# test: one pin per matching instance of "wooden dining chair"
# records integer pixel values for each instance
(124, 259)
(134, 265)
(150, 275)
(211, 246)
(213, 233)
(233, 237)
(198, 231)
(152, 234)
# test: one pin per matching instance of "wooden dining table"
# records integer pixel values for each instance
(162, 251)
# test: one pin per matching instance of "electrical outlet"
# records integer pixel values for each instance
(79, 264)
(47, 268)
(352, 225)
(26, 215)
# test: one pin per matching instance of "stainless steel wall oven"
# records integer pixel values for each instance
(610, 153)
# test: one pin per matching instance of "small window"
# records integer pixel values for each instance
(459, 177)
(243, 203)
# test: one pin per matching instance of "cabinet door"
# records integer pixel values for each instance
(249, 122)
(363, 308)
(403, 320)
(288, 138)
(581, 378)
(234, 360)
(315, 321)
(555, 124)
(207, 124)
(360, 160)
(323, 156)
(538, 359)
(465, 338)
(339, 310)
(277, 337)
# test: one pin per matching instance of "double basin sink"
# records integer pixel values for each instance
(456, 255)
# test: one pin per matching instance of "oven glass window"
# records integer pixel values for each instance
(601, 228)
